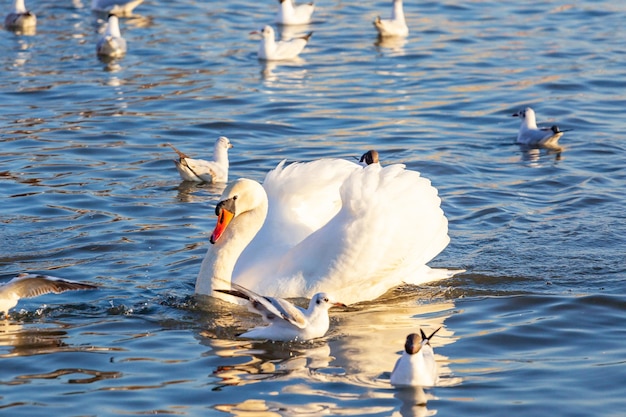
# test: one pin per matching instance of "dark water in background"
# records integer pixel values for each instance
(89, 193)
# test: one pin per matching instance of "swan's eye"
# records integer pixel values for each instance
(235, 197)
(325, 300)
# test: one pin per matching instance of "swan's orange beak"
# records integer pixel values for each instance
(224, 217)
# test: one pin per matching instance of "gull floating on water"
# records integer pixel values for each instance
(328, 225)
(33, 285)
(531, 135)
(370, 157)
(290, 14)
(271, 50)
(287, 322)
(119, 8)
(416, 366)
(396, 26)
(111, 44)
(20, 19)
(199, 170)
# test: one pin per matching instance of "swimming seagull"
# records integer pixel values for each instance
(199, 170)
(33, 285)
(111, 44)
(287, 322)
(290, 14)
(20, 18)
(370, 157)
(531, 135)
(416, 366)
(121, 8)
(396, 26)
(270, 50)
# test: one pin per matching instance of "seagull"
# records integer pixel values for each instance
(111, 44)
(270, 50)
(396, 26)
(290, 14)
(20, 18)
(121, 8)
(531, 135)
(33, 285)
(287, 322)
(199, 170)
(416, 366)
(370, 157)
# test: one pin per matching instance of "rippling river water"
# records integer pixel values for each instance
(90, 193)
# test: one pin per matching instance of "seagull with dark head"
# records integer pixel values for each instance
(531, 135)
(416, 366)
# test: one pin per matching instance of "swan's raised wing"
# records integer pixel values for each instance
(389, 226)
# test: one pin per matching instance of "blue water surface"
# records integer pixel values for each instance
(90, 193)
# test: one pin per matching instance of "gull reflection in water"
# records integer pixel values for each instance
(532, 155)
(293, 74)
(393, 43)
(188, 191)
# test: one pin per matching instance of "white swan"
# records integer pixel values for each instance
(328, 225)
(396, 26)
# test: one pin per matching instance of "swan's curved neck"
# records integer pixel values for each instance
(218, 264)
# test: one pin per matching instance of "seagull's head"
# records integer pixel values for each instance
(525, 113)
(325, 301)
(223, 142)
(266, 32)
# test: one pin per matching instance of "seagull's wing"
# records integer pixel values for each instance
(291, 48)
(206, 170)
(31, 285)
(269, 307)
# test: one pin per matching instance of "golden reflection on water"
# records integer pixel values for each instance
(361, 349)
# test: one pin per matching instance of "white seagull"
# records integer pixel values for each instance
(396, 26)
(328, 225)
(121, 8)
(286, 321)
(111, 44)
(290, 14)
(33, 285)
(271, 50)
(531, 135)
(416, 366)
(200, 170)
(20, 18)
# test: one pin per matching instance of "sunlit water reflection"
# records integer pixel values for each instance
(90, 193)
